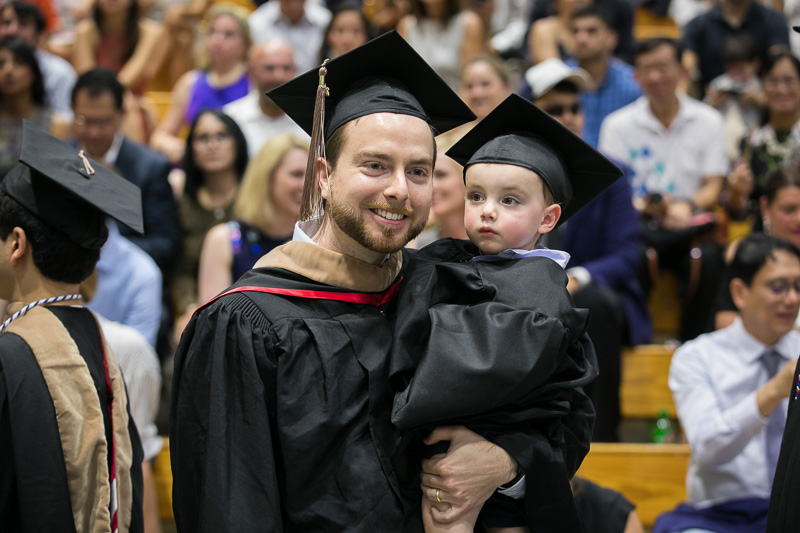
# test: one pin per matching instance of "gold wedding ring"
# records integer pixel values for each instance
(437, 496)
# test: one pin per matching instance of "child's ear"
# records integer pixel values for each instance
(551, 216)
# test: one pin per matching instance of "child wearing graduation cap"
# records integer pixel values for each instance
(487, 335)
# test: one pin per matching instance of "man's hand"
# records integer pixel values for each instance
(769, 396)
(466, 476)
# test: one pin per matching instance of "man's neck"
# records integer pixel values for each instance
(665, 111)
(331, 237)
(764, 338)
(735, 11)
(597, 68)
(33, 290)
(268, 107)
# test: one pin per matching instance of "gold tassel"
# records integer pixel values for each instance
(312, 199)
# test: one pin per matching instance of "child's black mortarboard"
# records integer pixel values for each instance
(518, 133)
(68, 191)
(384, 75)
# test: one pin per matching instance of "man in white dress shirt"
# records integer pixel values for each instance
(731, 389)
(269, 65)
(301, 23)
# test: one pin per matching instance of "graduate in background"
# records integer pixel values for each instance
(486, 333)
(70, 455)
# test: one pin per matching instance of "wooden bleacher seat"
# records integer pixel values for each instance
(161, 101)
(665, 306)
(162, 472)
(652, 476)
(646, 25)
(644, 389)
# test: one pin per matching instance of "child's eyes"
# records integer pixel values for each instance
(474, 197)
(509, 201)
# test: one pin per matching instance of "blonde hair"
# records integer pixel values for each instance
(254, 202)
(239, 14)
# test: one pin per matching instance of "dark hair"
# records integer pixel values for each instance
(595, 11)
(649, 45)
(194, 175)
(54, 254)
(98, 81)
(27, 12)
(131, 26)
(25, 54)
(753, 253)
(451, 9)
(786, 175)
(774, 58)
(566, 86)
(739, 48)
(343, 7)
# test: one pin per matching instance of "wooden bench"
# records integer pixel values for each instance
(162, 472)
(644, 389)
(652, 476)
(646, 25)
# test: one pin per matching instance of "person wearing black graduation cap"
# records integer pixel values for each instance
(280, 413)
(70, 455)
(486, 333)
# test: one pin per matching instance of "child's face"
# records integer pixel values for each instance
(505, 208)
(741, 71)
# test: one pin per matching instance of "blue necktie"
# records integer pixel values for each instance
(772, 362)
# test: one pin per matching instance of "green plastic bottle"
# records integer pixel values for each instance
(663, 431)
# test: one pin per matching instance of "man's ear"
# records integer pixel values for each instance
(323, 172)
(551, 216)
(19, 244)
(738, 290)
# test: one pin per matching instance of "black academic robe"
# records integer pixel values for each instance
(280, 414)
(784, 511)
(498, 347)
(34, 495)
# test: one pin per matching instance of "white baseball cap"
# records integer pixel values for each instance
(547, 74)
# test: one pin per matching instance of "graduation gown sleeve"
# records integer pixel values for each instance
(221, 436)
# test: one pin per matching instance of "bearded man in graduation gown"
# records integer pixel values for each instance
(70, 455)
(280, 415)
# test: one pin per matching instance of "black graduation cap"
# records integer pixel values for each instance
(69, 191)
(518, 133)
(385, 75)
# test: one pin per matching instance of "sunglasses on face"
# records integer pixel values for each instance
(557, 110)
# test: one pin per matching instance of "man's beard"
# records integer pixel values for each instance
(352, 224)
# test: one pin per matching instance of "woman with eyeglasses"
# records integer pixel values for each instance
(265, 211)
(221, 80)
(214, 162)
(780, 217)
(768, 145)
(22, 96)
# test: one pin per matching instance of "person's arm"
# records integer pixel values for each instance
(165, 137)
(161, 239)
(216, 257)
(718, 434)
(221, 442)
(403, 26)
(707, 196)
(147, 58)
(543, 40)
(61, 126)
(87, 38)
(634, 523)
(144, 312)
(474, 40)
(152, 520)
(618, 236)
